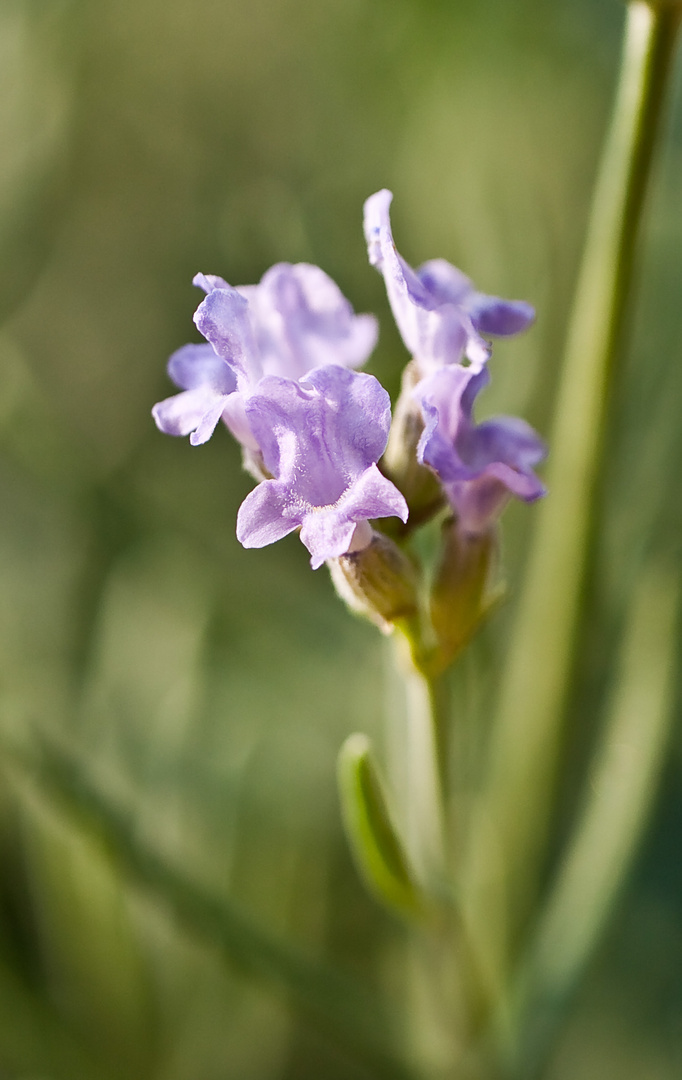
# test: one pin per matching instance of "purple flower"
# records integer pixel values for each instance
(294, 320)
(480, 465)
(440, 315)
(210, 392)
(320, 439)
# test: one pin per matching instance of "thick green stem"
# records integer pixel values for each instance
(516, 804)
(616, 805)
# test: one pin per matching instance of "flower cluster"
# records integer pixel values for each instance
(442, 318)
(278, 368)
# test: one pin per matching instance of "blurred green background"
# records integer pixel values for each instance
(210, 687)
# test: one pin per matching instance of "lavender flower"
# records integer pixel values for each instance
(480, 465)
(320, 439)
(294, 320)
(440, 315)
(210, 393)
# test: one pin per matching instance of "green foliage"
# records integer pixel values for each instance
(144, 141)
(376, 846)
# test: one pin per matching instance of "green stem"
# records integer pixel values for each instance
(616, 806)
(526, 740)
(426, 773)
(438, 698)
(437, 961)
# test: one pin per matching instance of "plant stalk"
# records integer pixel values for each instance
(616, 805)
(424, 768)
(516, 804)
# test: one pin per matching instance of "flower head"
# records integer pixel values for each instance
(479, 465)
(440, 315)
(294, 320)
(320, 439)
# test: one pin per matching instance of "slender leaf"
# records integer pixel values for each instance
(377, 849)
(343, 1010)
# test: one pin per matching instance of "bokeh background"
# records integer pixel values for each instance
(210, 687)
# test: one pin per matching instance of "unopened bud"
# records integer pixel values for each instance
(379, 582)
(418, 484)
(463, 591)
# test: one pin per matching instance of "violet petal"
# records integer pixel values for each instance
(328, 533)
(411, 304)
(195, 366)
(263, 517)
(186, 412)
(235, 419)
(444, 282)
(208, 422)
(207, 382)
(223, 319)
(302, 320)
(209, 282)
(480, 466)
(439, 314)
(501, 318)
(320, 440)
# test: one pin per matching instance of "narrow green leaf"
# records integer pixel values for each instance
(340, 1008)
(375, 844)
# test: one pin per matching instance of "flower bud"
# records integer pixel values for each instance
(378, 582)
(418, 484)
(463, 591)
